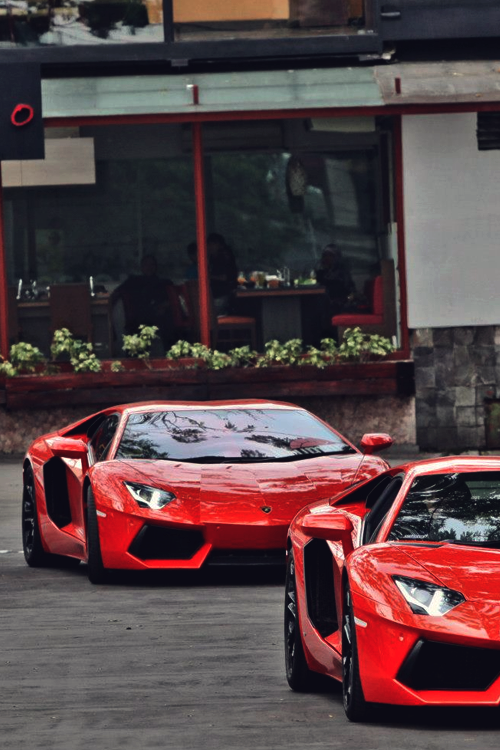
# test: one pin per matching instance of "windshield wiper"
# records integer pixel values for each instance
(470, 543)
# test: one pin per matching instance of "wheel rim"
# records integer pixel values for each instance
(291, 622)
(29, 513)
(347, 662)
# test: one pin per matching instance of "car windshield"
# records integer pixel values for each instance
(222, 435)
(463, 508)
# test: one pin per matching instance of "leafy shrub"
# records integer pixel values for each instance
(357, 346)
(81, 354)
(139, 344)
(23, 358)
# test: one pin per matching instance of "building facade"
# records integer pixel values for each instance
(282, 127)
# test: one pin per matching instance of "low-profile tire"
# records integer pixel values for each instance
(34, 553)
(95, 569)
(299, 676)
(355, 706)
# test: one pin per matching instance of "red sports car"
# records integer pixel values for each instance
(393, 588)
(171, 485)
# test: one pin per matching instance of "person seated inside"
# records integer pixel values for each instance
(145, 301)
(222, 272)
(333, 273)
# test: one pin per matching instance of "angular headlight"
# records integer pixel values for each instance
(149, 497)
(426, 598)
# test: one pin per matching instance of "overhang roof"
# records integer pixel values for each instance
(439, 82)
(421, 83)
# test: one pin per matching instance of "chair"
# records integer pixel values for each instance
(382, 318)
(235, 330)
(70, 308)
(227, 331)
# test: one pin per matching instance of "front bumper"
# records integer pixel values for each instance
(420, 660)
(134, 542)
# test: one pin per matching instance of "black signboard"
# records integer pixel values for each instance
(21, 125)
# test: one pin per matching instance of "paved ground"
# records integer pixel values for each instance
(185, 663)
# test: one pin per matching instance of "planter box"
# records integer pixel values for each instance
(174, 382)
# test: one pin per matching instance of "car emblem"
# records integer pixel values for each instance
(266, 509)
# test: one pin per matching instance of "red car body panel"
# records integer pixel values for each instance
(386, 628)
(235, 506)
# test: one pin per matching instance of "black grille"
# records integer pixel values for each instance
(320, 589)
(445, 666)
(159, 543)
(258, 557)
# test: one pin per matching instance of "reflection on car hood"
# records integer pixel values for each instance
(474, 571)
(285, 487)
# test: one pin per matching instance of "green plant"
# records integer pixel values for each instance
(358, 346)
(117, 366)
(7, 368)
(180, 349)
(276, 353)
(139, 344)
(81, 354)
(23, 358)
(217, 360)
(242, 356)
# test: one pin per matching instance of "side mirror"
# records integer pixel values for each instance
(68, 447)
(375, 441)
(333, 527)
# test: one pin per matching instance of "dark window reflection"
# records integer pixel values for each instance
(451, 507)
(222, 434)
(73, 22)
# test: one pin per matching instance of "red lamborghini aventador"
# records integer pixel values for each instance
(393, 588)
(172, 485)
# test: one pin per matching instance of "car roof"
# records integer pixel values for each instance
(197, 405)
(452, 464)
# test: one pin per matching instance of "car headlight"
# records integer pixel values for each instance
(426, 598)
(149, 497)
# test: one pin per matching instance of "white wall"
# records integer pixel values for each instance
(452, 219)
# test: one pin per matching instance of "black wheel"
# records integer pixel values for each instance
(355, 706)
(95, 568)
(299, 676)
(34, 553)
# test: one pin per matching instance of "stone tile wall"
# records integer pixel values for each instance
(456, 371)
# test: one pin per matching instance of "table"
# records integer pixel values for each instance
(281, 310)
(34, 323)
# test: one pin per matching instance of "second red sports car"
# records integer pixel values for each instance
(173, 485)
(394, 588)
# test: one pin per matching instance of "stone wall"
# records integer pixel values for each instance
(457, 370)
(20, 427)
(350, 415)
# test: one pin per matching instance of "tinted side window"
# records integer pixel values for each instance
(380, 509)
(103, 436)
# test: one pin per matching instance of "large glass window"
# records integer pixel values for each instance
(50, 23)
(195, 20)
(110, 230)
(304, 207)
(101, 235)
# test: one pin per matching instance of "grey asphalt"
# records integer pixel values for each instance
(190, 662)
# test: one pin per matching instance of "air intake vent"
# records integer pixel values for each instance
(488, 131)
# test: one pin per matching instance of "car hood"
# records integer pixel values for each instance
(284, 487)
(474, 571)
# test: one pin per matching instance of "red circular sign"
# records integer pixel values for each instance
(22, 115)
